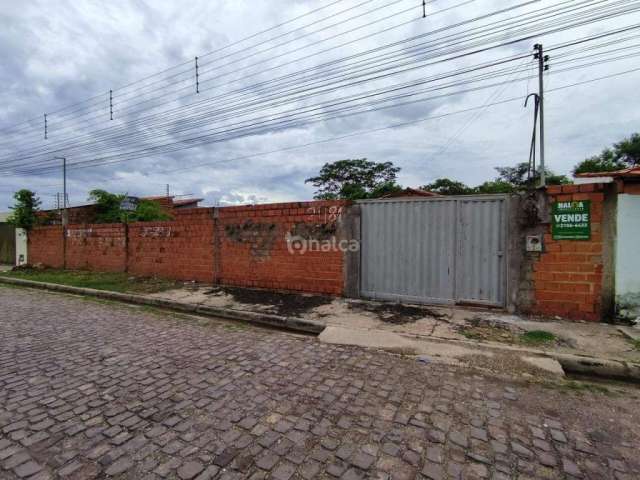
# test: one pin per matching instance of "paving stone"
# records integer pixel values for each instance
(345, 451)
(352, 474)
(433, 471)
(70, 469)
(363, 460)
(27, 469)
(284, 471)
(17, 459)
(558, 436)
(119, 466)
(521, 450)
(190, 470)
(570, 468)
(267, 460)
(209, 473)
(153, 399)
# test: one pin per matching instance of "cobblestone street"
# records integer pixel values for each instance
(95, 390)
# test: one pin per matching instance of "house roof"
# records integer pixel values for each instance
(187, 201)
(632, 172)
(411, 192)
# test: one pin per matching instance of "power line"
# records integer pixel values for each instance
(237, 42)
(392, 126)
(178, 111)
(484, 16)
(141, 154)
(599, 36)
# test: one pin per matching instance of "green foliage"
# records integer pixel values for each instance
(518, 176)
(107, 206)
(495, 186)
(149, 211)
(355, 179)
(600, 163)
(108, 209)
(624, 154)
(509, 180)
(537, 337)
(114, 282)
(628, 150)
(445, 186)
(24, 210)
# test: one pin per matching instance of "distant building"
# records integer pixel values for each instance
(411, 192)
(86, 213)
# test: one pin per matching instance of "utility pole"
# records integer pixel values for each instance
(64, 183)
(168, 191)
(542, 67)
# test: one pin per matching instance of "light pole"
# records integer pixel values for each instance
(64, 186)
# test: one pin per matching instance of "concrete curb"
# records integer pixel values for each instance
(598, 367)
(577, 364)
(288, 323)
(571, 363)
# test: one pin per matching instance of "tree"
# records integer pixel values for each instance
(604, 162)
(445, 186)
(24, 210)
(624, 154)
(354, 179)
(518, 176)
(149, 211)
(107, 206)
(628, 150)
(109, 210)
(495, 186)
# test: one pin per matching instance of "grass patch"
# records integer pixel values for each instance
(113, 282)
(538, 337)
(583, 387)
(636, 344)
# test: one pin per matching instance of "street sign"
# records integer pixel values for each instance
(129, 204)
(571, 220)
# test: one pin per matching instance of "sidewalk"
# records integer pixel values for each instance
(488, 340)
(407, 325)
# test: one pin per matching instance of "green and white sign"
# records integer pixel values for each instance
(571, 220)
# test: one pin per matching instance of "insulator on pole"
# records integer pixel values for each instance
(197, 77)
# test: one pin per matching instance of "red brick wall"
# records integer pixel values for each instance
(96, 247)
(182, 249)
(250, 241)
(568, 276)
(45, 246)
(254, 250)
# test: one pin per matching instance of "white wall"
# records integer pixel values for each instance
(21, 247)
(627, 243)
(628, 258)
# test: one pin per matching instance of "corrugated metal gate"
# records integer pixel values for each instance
(435, 250)
(7, 244)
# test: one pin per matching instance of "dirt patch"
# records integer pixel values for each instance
(487, 330)
(506, 363)
(396, 313)
(282, 303)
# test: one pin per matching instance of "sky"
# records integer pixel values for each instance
(57, 54)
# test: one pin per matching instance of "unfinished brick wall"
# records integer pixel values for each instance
(568, 276)
(242, 246)
(96, 247)
(182, 249)
(254, 251)
(45, 246)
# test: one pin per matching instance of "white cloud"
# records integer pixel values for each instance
(55, 54)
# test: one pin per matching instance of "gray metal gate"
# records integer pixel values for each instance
(434, 250)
